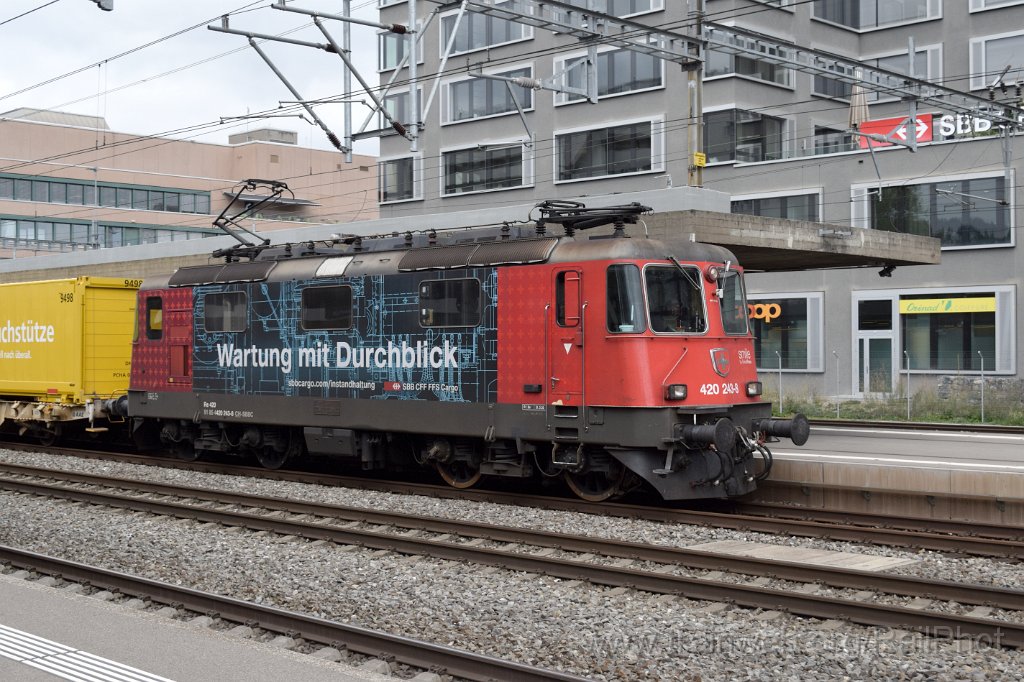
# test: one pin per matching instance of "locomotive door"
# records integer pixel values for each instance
(178, 323)
(565, 347)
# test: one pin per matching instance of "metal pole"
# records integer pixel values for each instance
(837, 383)
(780, 380)
(414, 100)
(906, 360)
(346, 82)
(982, 386)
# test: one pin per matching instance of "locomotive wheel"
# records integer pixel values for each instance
(595, 485)
(459, 473)
(271, 458)
(185, 452)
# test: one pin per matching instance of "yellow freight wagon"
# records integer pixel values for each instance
(65, 353)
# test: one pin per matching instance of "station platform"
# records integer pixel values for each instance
(957, 476)
(48, 633)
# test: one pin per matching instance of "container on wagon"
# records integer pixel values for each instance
(65, 352)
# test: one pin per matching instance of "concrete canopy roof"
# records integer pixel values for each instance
(764, 244)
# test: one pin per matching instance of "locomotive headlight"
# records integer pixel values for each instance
(754, 389)
(711, 273)
(675, 392)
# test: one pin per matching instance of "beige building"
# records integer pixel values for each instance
(67, 182)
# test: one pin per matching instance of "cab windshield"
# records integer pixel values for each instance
(734, 303)
(675, 299)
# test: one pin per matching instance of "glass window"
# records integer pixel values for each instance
(567, 298)
(225, 312)
(392, 49)
(832, 141)
(397, 179)
(959, 212)
(155, 201)
(8, 228)
(474, 170)
(154, 318)
(978, 5)
(780, 332)
(480, 97)
(675, 299)
(203, 203)
(327, 307)
(796, 207)
(948, 333)
(124, 197)
(76, 194)
(140, 199)
(23, 190)
(6, 188)
(450, 303)
(618, 71)
(89, 195)
(733, 303)
(188, 203)
(171, 201)
(58, 193)
(874, 315)
(989, 56)
(739, 135)
(26, 229)
(478, 31)
(62, 232)
(625, 300)
(724, 64)
(44, 231)
(80, 234)
(833, 87)
(607, 151)
(40, 190)
(866, 14)
(618, 8)
(108, 196)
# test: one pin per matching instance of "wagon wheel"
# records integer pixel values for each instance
(595, 485)
(47, 436)
(459, 473)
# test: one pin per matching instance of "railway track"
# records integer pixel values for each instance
(406, 651)
(651, 568)
(990, 540)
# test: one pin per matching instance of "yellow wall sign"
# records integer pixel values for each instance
(932, 306)
(700, 159)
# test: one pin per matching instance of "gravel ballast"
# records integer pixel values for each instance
(599, 632)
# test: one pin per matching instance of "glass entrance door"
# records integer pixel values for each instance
(875, 365)
(875, 343)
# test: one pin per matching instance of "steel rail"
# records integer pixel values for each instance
(690, 558)
(456, 662)
(987, 542)
(919, 426)
(911, 523)
(1001, 633)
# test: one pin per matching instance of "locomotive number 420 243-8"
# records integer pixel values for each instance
(720, 389)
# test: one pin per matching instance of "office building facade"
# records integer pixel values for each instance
(778, 138)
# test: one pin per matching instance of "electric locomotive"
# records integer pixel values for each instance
(612, 362)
